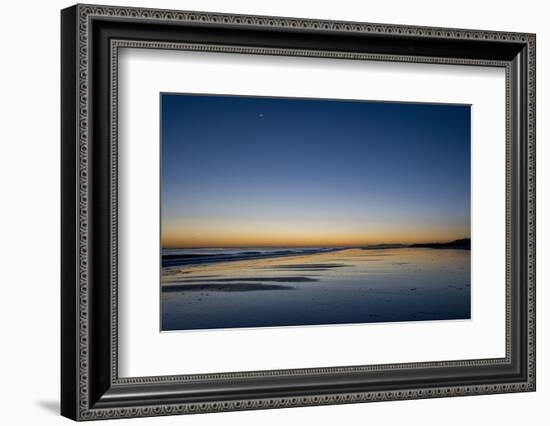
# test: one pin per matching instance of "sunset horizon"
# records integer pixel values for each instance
(328, 245)
(278, 172)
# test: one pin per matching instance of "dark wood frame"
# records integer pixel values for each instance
(91, 37)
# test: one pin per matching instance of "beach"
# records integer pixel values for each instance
(235, 288)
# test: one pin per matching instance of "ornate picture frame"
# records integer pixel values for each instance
(91, 37)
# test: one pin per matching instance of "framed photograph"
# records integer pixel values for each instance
(263, 212)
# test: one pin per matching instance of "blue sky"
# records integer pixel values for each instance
(259, 171)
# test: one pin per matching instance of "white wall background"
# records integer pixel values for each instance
(29, 212)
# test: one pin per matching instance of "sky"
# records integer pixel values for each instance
(258, 171)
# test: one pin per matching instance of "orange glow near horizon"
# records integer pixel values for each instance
(303, 235)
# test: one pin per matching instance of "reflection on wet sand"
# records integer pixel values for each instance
(258, 279)
(225, 287)
(334, 287)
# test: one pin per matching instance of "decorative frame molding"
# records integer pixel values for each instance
(91, 37)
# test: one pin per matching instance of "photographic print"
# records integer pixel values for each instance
(217, 182)
(293, 211)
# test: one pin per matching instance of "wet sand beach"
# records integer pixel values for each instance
(325, 286)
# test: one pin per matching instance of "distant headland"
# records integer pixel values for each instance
(462, 244)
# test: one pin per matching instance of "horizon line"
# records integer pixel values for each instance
(317, 245)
